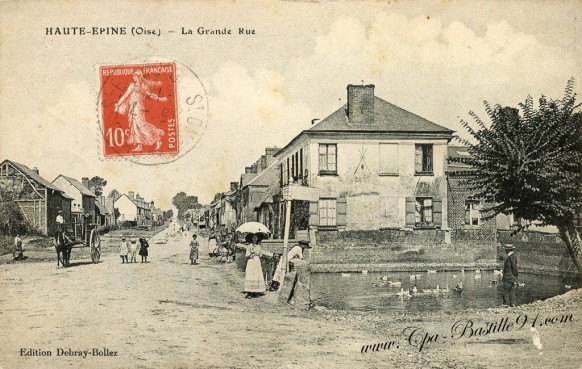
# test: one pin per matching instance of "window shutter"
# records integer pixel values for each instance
(418, 158)
(313, 213)
(437, 212)
(410, 211)
(342, 213)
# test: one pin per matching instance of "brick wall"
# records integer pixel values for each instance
(483, 234)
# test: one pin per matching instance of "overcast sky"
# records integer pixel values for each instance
(436, 59)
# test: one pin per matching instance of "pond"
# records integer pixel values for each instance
(379, 291)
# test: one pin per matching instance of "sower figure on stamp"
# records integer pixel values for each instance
(141, 132)
(509, 276)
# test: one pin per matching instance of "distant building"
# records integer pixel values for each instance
(134, 210)
(38, 199)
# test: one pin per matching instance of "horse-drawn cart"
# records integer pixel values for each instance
(64, 244)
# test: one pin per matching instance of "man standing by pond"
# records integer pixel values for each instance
(509, 276)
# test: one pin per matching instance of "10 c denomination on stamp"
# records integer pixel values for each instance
(139, 109)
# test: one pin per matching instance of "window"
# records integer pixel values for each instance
(423, 159)
(327, 159)
(388, 159)
(424, 211)
(327, 212)
(472, 212)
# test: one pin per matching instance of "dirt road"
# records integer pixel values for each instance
(169, 314)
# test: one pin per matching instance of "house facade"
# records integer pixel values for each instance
(133, 210)
(38, 199)
(83, 206)
(368, 166)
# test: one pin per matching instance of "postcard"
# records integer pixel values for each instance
(277, 184)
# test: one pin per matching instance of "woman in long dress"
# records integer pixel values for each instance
(141, 132)
(194, 245)
(254, 280)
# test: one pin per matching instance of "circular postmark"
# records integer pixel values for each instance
(151, 111)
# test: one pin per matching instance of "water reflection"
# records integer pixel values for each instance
(371, 292)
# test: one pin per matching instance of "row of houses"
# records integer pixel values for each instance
(369, 172)
(40, 201)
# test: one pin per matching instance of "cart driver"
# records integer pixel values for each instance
(60, 225)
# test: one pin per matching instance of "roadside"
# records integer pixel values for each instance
(169, 314)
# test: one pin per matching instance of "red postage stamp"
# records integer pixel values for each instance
(139, 109)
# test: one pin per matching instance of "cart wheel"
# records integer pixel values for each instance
(95, 244)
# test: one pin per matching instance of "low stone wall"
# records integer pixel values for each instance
(538, 253)
(397, 246)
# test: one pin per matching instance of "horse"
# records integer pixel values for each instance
(63, 245)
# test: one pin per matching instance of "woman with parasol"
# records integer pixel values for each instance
(254, 280)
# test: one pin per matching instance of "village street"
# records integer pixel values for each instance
(169, 314)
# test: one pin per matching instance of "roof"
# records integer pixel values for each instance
(266, 177)
(455, 160)
(387, 118)
(79, 186)
(458, 152)
(34, 176)
(268, 196)
(245, 178)
(102, 208)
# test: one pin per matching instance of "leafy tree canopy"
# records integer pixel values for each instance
(528, 162)
(183, 202)
(98, 183)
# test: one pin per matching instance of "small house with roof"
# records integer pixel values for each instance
(133, 210)
(83, 206)
(38, 199)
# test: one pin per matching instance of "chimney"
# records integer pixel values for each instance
(361, 104)
(85, 181)
(254, 168)
(263, 162)
(270, 155)
(35, 169)
(138, 197)
(248, 170)
(233, 186)
(131, 194)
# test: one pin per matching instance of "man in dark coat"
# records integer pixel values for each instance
(509, 276)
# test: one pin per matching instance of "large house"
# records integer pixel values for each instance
(38, 199)
(370, 165)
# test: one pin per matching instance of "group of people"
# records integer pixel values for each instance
(128, 250)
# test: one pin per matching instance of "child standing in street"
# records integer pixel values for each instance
(143, 250)
(194, 249)
(123, 251)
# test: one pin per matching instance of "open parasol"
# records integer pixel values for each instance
(253, 227)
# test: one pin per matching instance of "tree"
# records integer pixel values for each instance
(529, 163)
(98, 183)
(12, 219)
(114, 194)
(183, 202)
